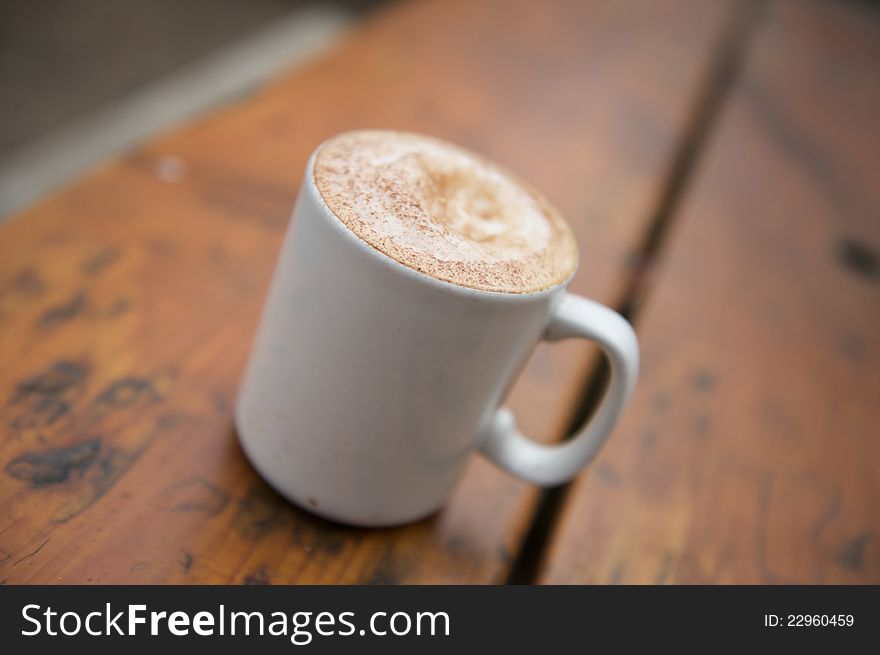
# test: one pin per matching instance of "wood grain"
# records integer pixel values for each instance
(129, 300)
(751, 453)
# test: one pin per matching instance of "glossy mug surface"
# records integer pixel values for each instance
(370, 383)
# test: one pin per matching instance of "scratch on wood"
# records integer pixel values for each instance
(386, 571)
(28, 283)
(32, 553)
(117, 308)
(186, 561)
(64, 312)
(194, 495)
(55, 465)
(260, 512)
(313, 534)
(126, 391)
(51, 391)
(112, 463)
(383, 575)
(99, 261)
(704, 380)
(852, 555)
(258, 577)
(59, 377)
(858, 258)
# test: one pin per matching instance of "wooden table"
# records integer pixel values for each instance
(718, 162)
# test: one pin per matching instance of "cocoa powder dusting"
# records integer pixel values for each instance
(443, 211)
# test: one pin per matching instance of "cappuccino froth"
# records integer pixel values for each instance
(444, 211)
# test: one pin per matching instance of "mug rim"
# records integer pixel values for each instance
(311, 187)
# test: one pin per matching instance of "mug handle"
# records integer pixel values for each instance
(549, 465)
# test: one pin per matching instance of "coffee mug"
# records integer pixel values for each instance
(371, 383)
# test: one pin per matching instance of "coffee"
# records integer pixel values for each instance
(441, 210)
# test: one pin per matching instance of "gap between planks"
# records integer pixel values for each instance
(726, 63)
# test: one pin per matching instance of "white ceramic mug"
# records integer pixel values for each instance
(370, 383)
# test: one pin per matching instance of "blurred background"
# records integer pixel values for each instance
(84, 79)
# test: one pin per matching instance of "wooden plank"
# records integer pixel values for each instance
(130, 300)
(751, 452)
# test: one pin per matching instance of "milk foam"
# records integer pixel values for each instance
(444, 211)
